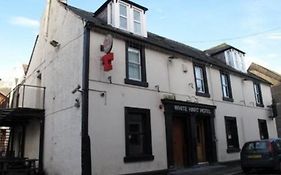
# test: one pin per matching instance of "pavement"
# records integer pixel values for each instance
(232, 168)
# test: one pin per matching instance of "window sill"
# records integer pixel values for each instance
(233, 150)
(259, 105)
(138, 158)
(136, 83)
(203, 94)
(227, 99)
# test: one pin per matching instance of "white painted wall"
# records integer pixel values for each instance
(107, 113)
(32, 140)
(61, 70)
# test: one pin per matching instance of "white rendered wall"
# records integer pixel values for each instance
(106, 115)
(61, 69)
(32, 140)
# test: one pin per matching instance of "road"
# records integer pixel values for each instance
(260, 172)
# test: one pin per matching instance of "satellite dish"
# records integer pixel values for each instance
(107, 43)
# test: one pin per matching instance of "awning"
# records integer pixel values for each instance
(15, 116)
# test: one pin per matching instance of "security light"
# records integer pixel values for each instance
(54, 43)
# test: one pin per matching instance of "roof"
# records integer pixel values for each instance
(16, 116)
(221, 48)
(2, 95)
(160, 42)
(255, 67)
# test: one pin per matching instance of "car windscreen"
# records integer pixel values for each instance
(256, 147)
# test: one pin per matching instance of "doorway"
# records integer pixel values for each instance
(179, 145)
(200, 141)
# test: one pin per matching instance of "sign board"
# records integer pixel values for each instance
(191, 109)
(107, 43)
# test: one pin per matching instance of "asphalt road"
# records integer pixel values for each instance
(260, 172)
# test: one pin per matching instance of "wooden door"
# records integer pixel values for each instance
(201, 152)
(178, 142)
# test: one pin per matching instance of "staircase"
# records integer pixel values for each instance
(4, 140)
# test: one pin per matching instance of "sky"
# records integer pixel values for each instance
(253, 26)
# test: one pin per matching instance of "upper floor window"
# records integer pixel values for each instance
(137, 21)
(123, 16)
(201, 80)
(135, 65)
(226, 87)
(258, 95)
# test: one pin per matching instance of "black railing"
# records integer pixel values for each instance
(25, 96)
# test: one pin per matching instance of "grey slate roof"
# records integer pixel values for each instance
(161, 42)
(220, 48)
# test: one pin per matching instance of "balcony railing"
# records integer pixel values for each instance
(25, 96)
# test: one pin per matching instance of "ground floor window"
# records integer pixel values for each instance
(231, 134)
(263, 129)
(138, 135)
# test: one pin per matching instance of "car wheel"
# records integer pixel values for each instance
(246, 170)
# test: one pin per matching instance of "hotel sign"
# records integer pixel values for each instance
(191, 109)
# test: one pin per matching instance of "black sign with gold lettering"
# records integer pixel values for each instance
(191, 109)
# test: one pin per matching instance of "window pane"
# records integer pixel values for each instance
(123, 22)
(136, 144)
(134, 56)
(136, 15)
(224, 81)
(198, 73)
(200, 86)
(137, 27)
(225, 91)
(123, 10)
(134, 72)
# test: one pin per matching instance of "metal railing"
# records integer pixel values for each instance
(25, 96)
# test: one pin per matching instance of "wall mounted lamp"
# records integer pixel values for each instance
(54, 43)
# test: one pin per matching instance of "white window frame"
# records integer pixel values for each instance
(225, 86)
(122, 16)
(131, 49)
(257, 94)
(136, 21)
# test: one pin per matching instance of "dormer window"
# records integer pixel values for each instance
(123, 16)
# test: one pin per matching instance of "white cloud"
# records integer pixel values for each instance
(23, 21)
(274, 36)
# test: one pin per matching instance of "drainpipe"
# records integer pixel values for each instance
(85, 139)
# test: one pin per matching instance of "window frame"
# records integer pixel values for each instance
(147, 143)
(122, 16)
(227, 76)
(256, 93)
(260, 122)
(136, 21)
(236, 146)
(205, 81)
(128, 80)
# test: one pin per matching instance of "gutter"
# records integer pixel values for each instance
(85, 138)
